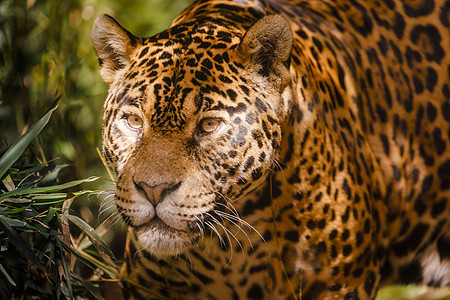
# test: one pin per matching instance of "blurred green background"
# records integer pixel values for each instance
(45, 55)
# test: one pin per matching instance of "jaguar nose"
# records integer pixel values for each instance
(156, 193)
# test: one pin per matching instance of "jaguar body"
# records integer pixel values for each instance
(281, 149)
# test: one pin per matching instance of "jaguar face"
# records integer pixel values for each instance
(186, 146)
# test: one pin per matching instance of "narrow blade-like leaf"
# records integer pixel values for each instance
(11, 281)
(94, 237)
(20, 245)
(66, 273)
(13, 153)
(46, 189)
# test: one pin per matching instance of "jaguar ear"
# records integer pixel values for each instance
(113, 45)
(266, 48)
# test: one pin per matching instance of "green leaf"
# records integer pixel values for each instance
(8, 183)
(17, 200)
(52, 176)
(95, 291)
(66, 273)
(16, 150)
(20, 245)
(49, 202)
(2, 269)
(11, 221)
(89, 261)
(94, 237)
(46, 189)
(42, 167)
(51, 212)
(15, 210)
(52, 196)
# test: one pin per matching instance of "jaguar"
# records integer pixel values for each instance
(281, 149)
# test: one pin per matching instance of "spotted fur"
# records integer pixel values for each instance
(282, 149)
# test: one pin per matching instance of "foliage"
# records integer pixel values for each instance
(44, 55)
(39, 257)
(413, 292)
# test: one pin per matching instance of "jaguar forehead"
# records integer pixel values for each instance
(165, 87)
(180, 76)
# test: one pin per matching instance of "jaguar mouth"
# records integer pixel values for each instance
(161, 239)
(157, 224)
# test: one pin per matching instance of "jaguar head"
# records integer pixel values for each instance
(191, 123)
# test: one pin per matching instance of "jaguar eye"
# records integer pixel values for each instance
(134, 121)
(209, 125)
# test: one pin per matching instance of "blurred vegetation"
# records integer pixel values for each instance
(45, 56)
(39, 255)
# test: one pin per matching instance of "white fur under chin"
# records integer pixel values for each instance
(162, 240)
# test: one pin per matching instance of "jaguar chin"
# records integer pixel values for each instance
(162, 240)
